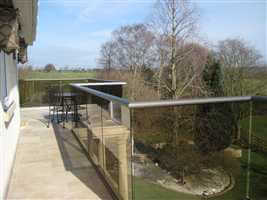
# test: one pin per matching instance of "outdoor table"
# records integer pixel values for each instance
(65, 97)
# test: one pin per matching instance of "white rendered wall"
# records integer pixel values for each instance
(8, 134)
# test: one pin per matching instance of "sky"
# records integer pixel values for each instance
(70, 32)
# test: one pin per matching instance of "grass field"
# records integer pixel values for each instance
(58, 75)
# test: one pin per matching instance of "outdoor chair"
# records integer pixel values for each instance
(69, 101)
(69, 107)
(80, 106)
(56, 105)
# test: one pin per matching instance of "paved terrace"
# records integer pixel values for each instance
(50, 163)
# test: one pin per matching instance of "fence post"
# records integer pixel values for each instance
(249, 151)
(60, 86)
(33, 92)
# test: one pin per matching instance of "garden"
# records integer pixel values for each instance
(171, 164)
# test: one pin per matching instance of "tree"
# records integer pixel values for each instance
(107, 56)
(213, 77)
(134, 55)
(49, 68)
(238, 61)
(189, 73)
(135, 45)
(174, 22)
(215, 124)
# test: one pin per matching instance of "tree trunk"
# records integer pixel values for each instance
(160, 75)
(173, 51)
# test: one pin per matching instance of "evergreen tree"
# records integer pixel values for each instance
(213, 77)
(215, 123)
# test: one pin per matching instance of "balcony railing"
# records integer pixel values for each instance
(33, 92)
(184, 149)
(206, 148)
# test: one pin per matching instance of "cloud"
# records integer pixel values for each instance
(96, 11)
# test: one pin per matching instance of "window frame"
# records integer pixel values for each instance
(5, 92)
(7, 104)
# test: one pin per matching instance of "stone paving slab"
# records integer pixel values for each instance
(50, 164)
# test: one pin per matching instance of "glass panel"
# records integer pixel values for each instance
(257, 188)
(190, 152)
(106, 139)
(34, 92)
(116, 111)
(202, 151)
(117, 150)
(87, 124)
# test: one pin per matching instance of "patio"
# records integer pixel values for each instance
(50, 163)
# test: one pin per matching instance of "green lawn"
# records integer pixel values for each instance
(258, 165)
(258, 176)
(58, 75)
(260, 126)
(144, 190)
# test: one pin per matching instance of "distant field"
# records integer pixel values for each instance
(59, 75)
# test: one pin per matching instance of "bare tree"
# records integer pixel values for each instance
(239, 64)
(238, 60)
(107, 56)
(181, 62)
(175, 22)
(134, 53)
(134, 47)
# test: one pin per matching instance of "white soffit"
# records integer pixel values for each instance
(28, 18)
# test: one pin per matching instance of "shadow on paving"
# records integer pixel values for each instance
(75, 160)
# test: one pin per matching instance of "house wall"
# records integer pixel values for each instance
(9, 132)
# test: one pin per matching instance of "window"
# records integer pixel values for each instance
(7, 78)
(3, 80)
(3, 75)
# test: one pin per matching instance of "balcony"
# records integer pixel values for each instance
(210, 148)
(50, 163)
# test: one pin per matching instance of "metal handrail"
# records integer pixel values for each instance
(102, 95)
(162, 103)
(66, 79)
(195, 101)
(259, 98)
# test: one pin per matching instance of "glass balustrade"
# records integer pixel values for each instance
(187, 149)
